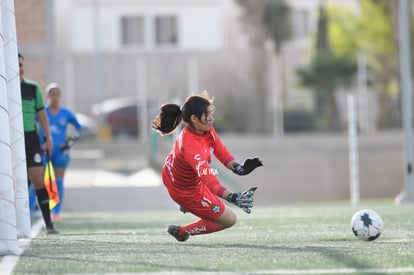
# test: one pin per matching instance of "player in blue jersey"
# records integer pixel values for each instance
(59, 119)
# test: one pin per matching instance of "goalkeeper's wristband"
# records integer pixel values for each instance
(232, 197)
(237, 168)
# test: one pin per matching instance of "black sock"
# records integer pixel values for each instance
(43, 200)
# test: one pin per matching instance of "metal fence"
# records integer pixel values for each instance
(253, 93)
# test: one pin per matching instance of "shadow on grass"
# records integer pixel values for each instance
(124, 265)
(338, 256)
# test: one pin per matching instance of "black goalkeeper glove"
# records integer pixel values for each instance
(248, 166)
(243, 200)
(65, 147)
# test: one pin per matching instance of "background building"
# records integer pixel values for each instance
(35, 36)
(163, 50)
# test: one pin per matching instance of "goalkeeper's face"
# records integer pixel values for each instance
(204, 123)
(208, 117)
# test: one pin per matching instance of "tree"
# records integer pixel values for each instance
(373, 31)
(325, 74)
(264, 20)
(345, 34)
(277, 22)
(377, 25)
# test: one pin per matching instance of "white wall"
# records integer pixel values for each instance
(202, 24)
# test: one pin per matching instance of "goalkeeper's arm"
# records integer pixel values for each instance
(246, 168)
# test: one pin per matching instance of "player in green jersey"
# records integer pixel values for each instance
(32, 104)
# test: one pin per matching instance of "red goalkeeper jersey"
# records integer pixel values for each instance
(187, 167)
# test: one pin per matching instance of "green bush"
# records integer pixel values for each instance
(299, 120)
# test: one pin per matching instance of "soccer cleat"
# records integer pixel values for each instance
(50, 229)
(173, 230)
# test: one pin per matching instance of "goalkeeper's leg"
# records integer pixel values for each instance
(213, 213)
(204, 225)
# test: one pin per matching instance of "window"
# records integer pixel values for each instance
(166, 32)
(301, 23)
(132, 30)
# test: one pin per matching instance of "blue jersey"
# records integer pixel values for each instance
(58, 126)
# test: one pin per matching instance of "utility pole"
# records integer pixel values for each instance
(406, 196)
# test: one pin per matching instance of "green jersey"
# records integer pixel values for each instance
(32, 102)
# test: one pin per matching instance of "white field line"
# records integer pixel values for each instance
(338, 271)
(335, 271)
(9, 262)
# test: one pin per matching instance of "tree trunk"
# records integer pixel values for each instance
(333, 113)
(258, 115)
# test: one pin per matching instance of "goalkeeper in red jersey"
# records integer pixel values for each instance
(187, 174)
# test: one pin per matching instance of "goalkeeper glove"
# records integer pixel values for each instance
(248, 166)
(243, 200)
(65, 147)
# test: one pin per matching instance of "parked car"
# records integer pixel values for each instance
(122, 115)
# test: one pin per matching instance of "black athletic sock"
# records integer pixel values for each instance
(43, 200)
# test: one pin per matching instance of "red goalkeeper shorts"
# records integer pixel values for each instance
(197, 199)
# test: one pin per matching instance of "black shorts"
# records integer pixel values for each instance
(34, 152)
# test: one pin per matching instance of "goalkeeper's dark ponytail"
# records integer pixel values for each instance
(170, 115)
(168, 118)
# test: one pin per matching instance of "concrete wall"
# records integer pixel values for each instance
(314, 167)
(305, 168)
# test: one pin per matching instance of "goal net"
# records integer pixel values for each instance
(14, 209)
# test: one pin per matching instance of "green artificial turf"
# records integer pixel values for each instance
(304, 238)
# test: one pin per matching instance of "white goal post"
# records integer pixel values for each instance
(14, 209)
(8, 234)
(16, 121)
(353, 150)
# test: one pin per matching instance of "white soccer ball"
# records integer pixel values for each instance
(367, 224)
